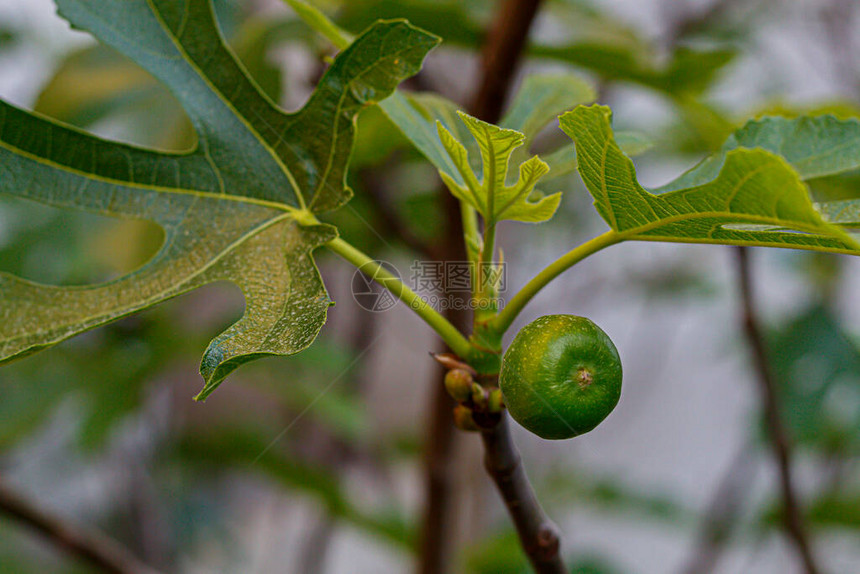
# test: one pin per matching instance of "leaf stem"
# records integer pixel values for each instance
(320, 23)
(504, 319)
(455, 340)
(472, 243)
(470, 229)
(489, 242)
(482, 288)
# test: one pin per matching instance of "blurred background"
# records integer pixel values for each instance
(315, 463)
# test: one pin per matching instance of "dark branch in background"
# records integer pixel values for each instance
(500, 58)
(89, 546)
(722, 514)
(334, 453)
(315, 551)
(440, 434)
(389, 222)
(438, 471)
(696, 20)
(436, 535)
(791, 513)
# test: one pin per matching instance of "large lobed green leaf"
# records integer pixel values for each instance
(239, 206)
(813, 146)
(751, 193)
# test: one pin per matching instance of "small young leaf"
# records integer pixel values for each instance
(491, 197)
(747, 197)
(538, 102)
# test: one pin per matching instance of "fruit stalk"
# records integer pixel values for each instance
(538, 534)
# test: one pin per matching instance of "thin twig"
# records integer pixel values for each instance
(538, 534)
(88, 545)
(722, 513)
(792, 515)
(316, 547)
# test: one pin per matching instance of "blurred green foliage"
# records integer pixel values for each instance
(114, 372)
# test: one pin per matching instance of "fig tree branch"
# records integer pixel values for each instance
(791, 513)
(721, 514)
(87, 545)
(537, 533)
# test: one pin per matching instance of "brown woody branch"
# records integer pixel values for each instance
(87, 545)
(538, 534)
(792, 515)
(502, 53)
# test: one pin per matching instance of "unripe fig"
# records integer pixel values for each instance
(458, 383)
(561, 376)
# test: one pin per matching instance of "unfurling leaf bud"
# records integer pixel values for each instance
(495, 403)
(463, 419)
(479, 397)
(458, 383)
